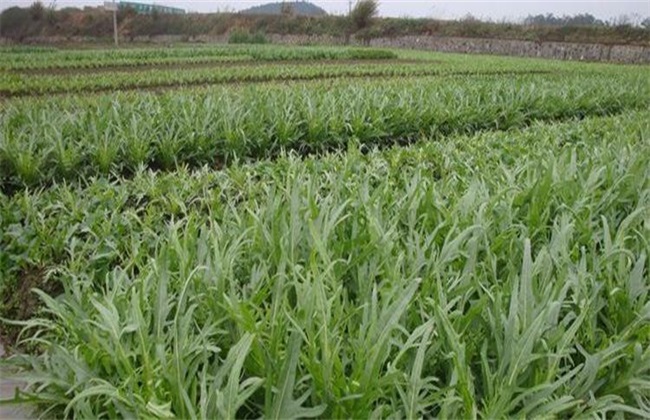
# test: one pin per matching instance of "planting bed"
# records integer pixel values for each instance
(411, 246)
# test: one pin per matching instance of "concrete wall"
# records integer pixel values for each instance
(553, 50)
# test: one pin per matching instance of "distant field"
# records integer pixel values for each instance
(265, 231)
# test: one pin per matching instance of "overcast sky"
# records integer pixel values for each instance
(497, 10)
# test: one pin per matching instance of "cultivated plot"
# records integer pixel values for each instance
(245, 232)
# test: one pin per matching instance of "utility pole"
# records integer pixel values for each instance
(349, 7)
(112, 6)
(115, 22)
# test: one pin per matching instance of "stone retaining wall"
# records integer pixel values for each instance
(554, 50)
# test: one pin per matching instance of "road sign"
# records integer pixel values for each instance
(111, 6)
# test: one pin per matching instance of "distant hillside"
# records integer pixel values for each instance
(298, 8)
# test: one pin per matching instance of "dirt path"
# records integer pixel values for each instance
(7, 390)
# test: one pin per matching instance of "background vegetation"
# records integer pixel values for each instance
(19, 24)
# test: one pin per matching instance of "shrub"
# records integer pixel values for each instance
(366, 54)
(240, 36)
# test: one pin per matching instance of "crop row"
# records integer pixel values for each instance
(63, 59)
(100, 57)
(16, 84)
(69, 139)
(140, 64)
(500, 275)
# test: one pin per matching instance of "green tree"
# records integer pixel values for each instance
(361, 19)
(37, 10)
(363, 13)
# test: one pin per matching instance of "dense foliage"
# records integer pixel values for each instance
(467, 245)
(501, 275)
(17, 24)
(40, 144)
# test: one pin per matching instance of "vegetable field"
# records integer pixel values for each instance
(314, 232)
